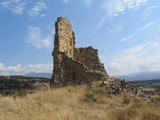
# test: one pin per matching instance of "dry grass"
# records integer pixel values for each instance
(76, 103)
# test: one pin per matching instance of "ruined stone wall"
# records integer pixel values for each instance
(80, 73)
(73, 65)
(89, 57)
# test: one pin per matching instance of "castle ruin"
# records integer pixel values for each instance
(73, 65)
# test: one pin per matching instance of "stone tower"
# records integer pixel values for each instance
(73, 65)
(64, 38)
(64, 43)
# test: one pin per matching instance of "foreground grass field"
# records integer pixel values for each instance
(77, 103)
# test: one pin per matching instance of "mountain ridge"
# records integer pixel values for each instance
(34, 74)
(148, 75)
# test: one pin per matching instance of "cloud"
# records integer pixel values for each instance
(101, 22)
(146, 26)
(16, 68)
(86, 2)
(1, 66)
(114, 8)
(21, 70)
(37, 8)
(117, 7)
(6, 70)
(16, 6)
(119, 26)
(140, 58)
(39, 68)
(35, 38)
(127, 38)
(20, 7)
(149, 11)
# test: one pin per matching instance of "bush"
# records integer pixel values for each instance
(93, 94)
(126, 100)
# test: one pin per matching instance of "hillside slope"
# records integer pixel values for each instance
(76, 103)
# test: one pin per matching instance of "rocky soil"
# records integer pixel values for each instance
(116, 86)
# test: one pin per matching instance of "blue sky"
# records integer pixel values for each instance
(126, 33)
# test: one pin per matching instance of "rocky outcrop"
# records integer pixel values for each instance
(73, 65)
(115, 86)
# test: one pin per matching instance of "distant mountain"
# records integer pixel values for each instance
(136, 76)
(142, 76)
(44, 75)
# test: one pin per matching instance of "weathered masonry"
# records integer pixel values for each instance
(73, 65)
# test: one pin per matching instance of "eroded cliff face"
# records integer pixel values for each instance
(74, 65)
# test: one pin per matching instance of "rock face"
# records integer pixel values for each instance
(73, 65)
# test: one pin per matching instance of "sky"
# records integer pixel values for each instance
(125, 32)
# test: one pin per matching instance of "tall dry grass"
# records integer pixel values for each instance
(76, 103)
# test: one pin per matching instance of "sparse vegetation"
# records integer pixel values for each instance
(94, 94)
(76, 103)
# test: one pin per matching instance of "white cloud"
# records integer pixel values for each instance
(149, 11)
(5, 4)
(16, 6)
(35, 37)
(37, 8)
(140, 58)
(118, 27)
(100, 24)
(16, 68)
(146, 26)
(1, 66)
(20, 70)
(20, 7)
(86, 2)
(38, 68)
(127, 38)
(116, 7)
